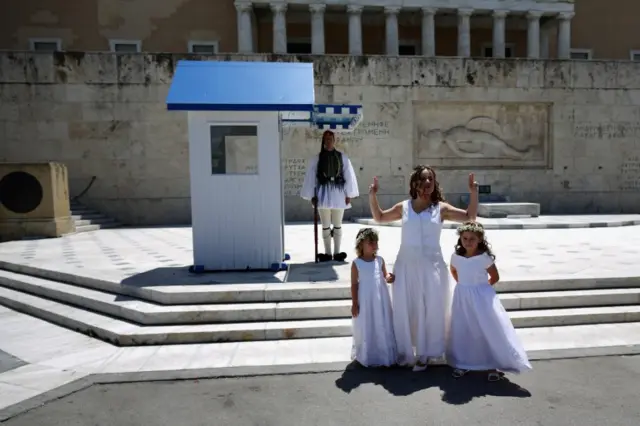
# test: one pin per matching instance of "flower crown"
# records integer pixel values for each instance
(474, 227)
(366, 234)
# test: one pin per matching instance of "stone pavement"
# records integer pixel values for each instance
(161, 255)
(586, 392)
(61, 361)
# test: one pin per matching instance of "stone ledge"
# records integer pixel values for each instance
(154, 69)
(504, 210)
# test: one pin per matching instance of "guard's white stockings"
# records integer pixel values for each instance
(331, 218)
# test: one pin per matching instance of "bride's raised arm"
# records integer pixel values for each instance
(379, 215)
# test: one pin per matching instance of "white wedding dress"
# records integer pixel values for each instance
(482, 336)
(373, 341)
(422, 292)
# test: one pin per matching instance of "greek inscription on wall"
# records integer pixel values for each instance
(606, 130)
(630, 174)
(294, 171)
(365, 130)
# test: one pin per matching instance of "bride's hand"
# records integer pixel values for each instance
(473, 185)
(373, 188)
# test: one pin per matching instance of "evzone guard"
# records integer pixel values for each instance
(330, 183)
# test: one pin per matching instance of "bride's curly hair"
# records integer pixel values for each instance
(478, 229)
(416, 179)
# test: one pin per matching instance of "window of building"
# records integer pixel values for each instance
(634, 55)
(299, 47)
(125, 46)
(487, 51)
(581, 54)
(203, 47)
(45, 44)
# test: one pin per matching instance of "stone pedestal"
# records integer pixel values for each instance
(34, 201)
(502, 210)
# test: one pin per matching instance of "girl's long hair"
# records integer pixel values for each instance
(478, 229)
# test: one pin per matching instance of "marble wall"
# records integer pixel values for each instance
(564, 134)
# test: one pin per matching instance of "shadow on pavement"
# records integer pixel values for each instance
(403, 382)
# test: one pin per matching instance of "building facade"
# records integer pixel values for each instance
(588, 29)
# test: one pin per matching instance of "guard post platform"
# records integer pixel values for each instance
(236, 111)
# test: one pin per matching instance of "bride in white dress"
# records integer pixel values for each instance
(422, 292)
(482, 336)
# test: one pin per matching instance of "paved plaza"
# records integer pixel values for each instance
(42, 361)
(586, 392)
(155, 256)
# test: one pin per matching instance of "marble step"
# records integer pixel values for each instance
(148, 313)
(125, 333)
(100, 220)
(502, 210)
(197, 294)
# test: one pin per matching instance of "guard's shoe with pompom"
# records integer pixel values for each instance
(340, 257)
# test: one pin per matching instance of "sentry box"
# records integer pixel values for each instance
(236, 111)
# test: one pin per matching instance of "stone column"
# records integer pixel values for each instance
(355, 29)
(564, 35)
(429, 31)
(317, 28)
(464, 32)
(279, 11)
(245, 27)
(499, 31)
(393, 44)
(533, 34)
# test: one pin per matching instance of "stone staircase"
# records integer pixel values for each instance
(87, 219)
(130, 315)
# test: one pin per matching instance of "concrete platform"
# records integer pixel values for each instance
(540, 222)
(506, 210)
(132, 286)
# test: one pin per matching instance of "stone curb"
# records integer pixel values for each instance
(264, 370)
(506, 226)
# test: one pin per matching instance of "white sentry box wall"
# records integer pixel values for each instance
(237, 219)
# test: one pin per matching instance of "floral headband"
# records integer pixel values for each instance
(474, 227)
(366, 234)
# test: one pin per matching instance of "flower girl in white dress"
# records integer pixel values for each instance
(481, 335)
(374, 344)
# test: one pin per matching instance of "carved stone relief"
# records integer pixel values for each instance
(482, 135)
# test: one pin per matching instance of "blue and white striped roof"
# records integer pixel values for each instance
(339, 118)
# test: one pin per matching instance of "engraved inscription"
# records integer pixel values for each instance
(294, 171)
(606, 130)
(630, 174)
